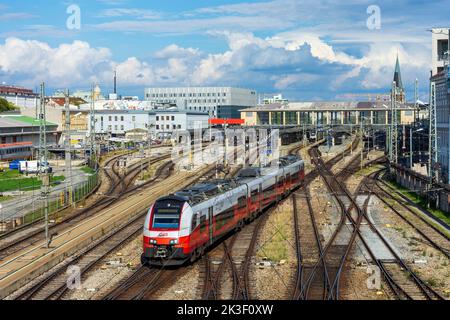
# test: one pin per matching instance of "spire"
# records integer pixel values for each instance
(398, 75)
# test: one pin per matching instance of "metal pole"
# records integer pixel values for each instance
(92, 130)
(68, 156)
(362, 143)
(42, 161)
(410, 148)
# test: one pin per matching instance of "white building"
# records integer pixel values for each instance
(168, 121)
(119, 122)
(278, 98)
(440, 40)
(221, 102)
(19, 96)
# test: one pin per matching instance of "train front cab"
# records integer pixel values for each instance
(166, 237)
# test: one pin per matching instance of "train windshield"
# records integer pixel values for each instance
(166, 214)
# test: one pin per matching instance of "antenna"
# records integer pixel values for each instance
(115, 81)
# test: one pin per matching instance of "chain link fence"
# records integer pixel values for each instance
(27, 205)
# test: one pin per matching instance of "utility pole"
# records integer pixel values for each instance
(42, 161)
(432, 160)
(416, 105)
(410, 148)
(68, 156)
(362, 141)
(93, 148)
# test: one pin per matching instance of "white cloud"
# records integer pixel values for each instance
(300, 63)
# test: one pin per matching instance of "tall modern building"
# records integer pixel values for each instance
(218, 102)
(441, 78)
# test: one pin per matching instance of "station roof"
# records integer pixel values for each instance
(328, 106)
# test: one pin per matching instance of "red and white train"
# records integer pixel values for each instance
(180, 227)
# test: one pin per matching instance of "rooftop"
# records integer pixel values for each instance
(204, 191)
(328, 106)
(19, 121)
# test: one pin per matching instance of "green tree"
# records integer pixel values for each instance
(6, 106)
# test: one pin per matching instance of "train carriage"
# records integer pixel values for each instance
(180, 227)
(15, 151)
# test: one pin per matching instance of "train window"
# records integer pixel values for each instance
(167, 214)
(242, 202)
(194, 222)
(255, 195)
(202, 224)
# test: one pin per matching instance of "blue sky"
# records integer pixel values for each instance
(307, 50)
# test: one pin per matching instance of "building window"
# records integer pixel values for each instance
(134, 118)
(173, 118)
(179, 126)
(109, 127)
(174, 127)
(110, 118)
(167, 127)
(122, 127)
(167, 118)
(157, 127)
(157, 118)
(121, 118)
(116, 127)
(116, 118)
(101, 119)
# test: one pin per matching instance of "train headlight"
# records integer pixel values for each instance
(153, 241)
(172, 242)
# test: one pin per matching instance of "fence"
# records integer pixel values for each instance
(417, 183)
(28, 206)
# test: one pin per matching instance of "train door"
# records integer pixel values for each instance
(211, 225)
(261, 196)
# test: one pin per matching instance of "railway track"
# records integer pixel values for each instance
(404, 287)
(119, 188)
(309, 251)
(146, 281)
(401, 279)
(337, 250)
(53, 286)
(143, 284)
(433, 235)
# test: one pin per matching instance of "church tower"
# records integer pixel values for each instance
(399, 90)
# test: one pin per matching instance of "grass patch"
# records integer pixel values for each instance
(276, 249)
(12, 180)
(6, 198)
(420, 201)
(87, 170)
